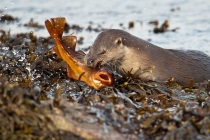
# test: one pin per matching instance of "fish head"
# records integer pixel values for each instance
(101, 78)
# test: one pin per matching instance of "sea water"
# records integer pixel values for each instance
(192, 17)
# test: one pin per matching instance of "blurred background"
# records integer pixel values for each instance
(188, 21)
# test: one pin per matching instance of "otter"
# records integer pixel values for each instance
(126, 52)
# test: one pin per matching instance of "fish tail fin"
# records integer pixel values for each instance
(55, 27)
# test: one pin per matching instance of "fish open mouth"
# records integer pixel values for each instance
(104, 77)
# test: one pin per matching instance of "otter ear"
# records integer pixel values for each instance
(118, 41)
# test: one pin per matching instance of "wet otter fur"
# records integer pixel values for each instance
(126, 52)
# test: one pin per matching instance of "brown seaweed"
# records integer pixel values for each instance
(39, 101)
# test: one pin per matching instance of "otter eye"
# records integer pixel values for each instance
(118, 41)
(103, 52)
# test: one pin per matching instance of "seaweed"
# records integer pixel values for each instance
(33, 24)
(7, 18)
(39, 101)
(164, 27)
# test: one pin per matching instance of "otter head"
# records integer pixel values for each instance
(108, 48)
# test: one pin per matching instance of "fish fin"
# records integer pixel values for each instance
(55, 27)
(55, 49)
(70, 73)
(51, 29)
(59, 25)
(70, 41)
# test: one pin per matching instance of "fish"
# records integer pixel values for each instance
(65, 46)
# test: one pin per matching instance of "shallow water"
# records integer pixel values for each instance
(191, 16)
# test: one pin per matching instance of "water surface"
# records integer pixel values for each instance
(191, 16)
